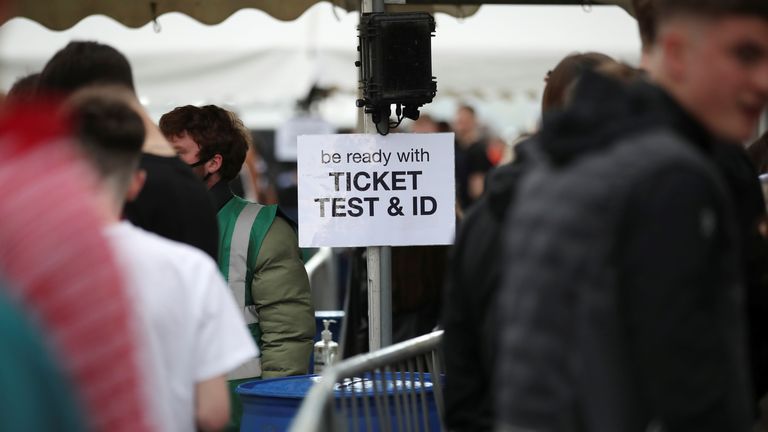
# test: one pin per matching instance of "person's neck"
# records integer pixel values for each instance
(109, 207)
(468, 138)
(682, 112)
(212, 181)
(645, 60)
(154, 141)
(220, 193)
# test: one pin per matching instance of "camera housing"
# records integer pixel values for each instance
(395, 65)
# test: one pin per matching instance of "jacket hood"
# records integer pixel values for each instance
(603, 109)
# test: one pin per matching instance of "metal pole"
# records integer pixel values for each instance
(374, 298)
(378, 257)
(385, 274)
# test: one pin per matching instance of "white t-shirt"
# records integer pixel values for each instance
(190, 325)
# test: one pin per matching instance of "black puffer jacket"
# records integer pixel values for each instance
(621, 302)
(472, 281)
(741, 178)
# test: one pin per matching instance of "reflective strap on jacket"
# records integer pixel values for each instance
(238, 261)
(239, 282)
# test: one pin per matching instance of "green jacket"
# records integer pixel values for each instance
(37, 395)
(278, 306)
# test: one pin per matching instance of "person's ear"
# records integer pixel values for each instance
(674, 47)
(214, 164)
(137, 183)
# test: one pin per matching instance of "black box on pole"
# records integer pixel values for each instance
(396, 64)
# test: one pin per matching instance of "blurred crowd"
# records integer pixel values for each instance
(150, 290)
(609, 273)
(612, 277)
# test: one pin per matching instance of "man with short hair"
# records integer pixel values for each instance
(60, 270)
(192, 334)
(472, 161)
(621, 307)
(171, 192)
(258, 246)
(741, 178)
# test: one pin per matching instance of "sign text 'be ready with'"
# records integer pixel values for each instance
(373, 190)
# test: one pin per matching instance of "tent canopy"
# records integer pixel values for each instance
(63, 14)
(261, 66)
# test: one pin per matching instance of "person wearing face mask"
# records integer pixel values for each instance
(258, 246)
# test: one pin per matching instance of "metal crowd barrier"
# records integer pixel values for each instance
(397, 388)
(321, 270)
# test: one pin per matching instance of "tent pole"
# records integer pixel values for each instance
(379, 260)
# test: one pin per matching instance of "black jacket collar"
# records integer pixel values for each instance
(604, 110)
(221, 194)
(681, 121)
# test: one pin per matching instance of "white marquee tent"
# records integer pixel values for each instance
(260, 66)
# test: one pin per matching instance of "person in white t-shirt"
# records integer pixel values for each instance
(191, 332)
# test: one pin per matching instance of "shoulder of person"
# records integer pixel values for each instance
(169, 251)
(281, 233)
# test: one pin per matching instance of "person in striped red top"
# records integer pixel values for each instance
(61, 270)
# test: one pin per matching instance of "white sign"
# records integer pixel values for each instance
(373, 190)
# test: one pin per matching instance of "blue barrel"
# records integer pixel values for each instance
(271, 404)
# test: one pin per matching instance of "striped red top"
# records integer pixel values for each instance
(53, 254)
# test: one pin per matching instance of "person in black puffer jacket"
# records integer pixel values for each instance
(621, 306)
(476, 266)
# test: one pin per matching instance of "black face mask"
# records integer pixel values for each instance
(199, 163)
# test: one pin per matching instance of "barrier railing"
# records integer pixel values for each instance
(321, 270)
(397, 388)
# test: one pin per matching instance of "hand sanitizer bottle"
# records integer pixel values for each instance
(326, 349)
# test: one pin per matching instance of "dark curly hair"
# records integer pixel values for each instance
(215, 130)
